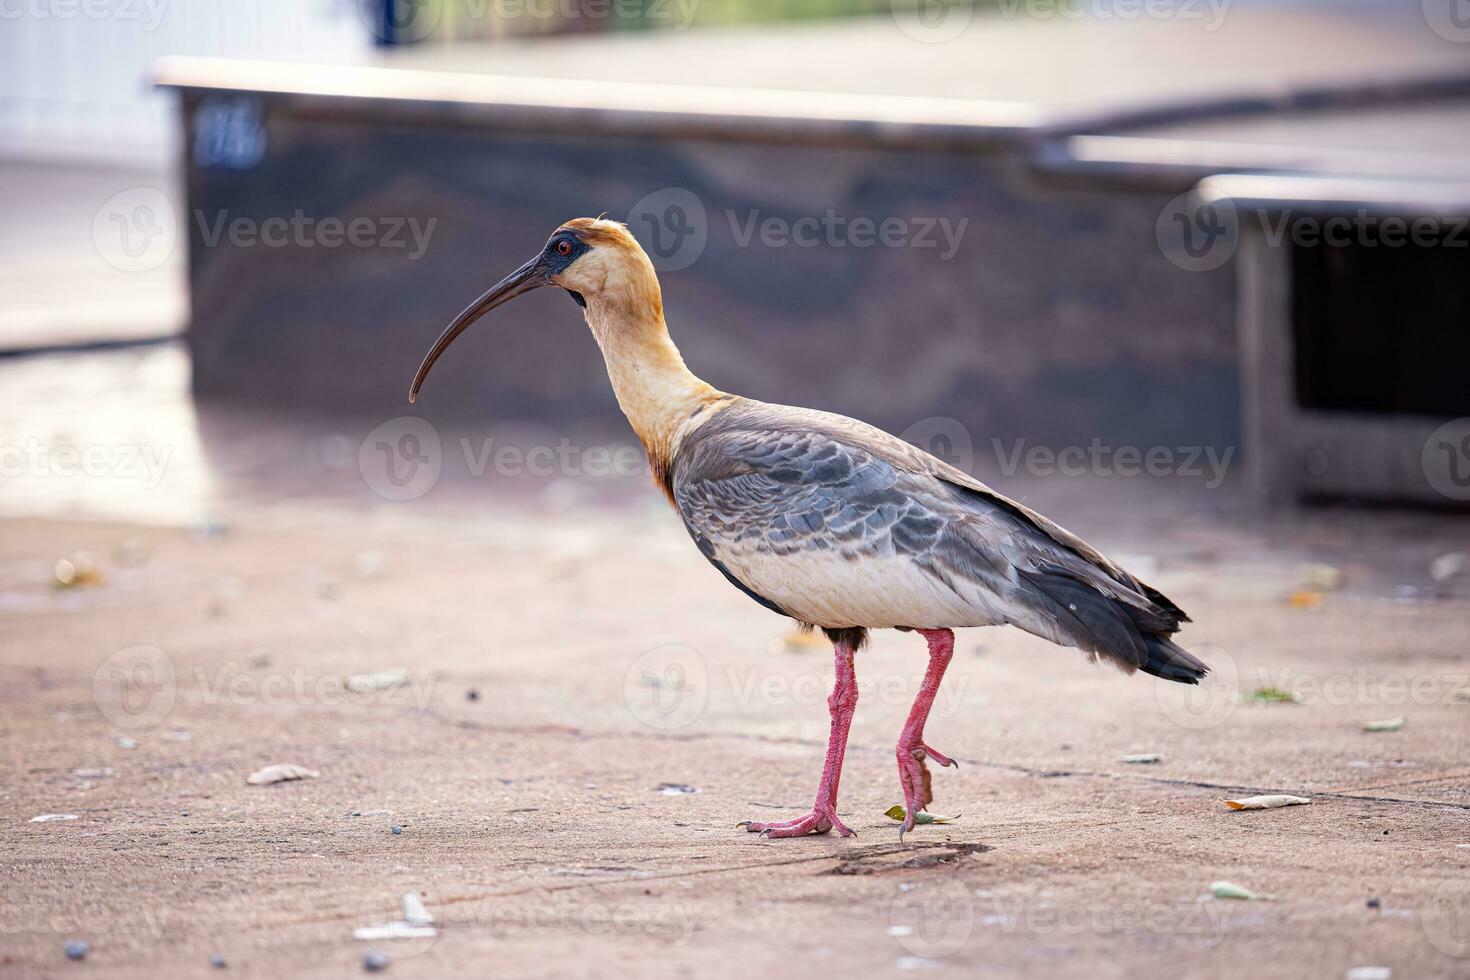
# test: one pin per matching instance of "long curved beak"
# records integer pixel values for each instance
(523, 280)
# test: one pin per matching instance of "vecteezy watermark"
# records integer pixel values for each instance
(669, 923)
(403, 458)
(755, 685)
(75, 913)
(1450, 19)
(137, 687)
(674, 15)
(1206, 920)
(145, 464)
(1364, 687)
(1210, 13)
(950, 440)
(561, 458)
(832, 230)
(937, 917)
(147, 13)
(136, 229)
(1198, 234)
(1446, 459)
(932, 21)
(1098, 458)
(667, 687)
(300, 230)
(406, 21)
(674, 228)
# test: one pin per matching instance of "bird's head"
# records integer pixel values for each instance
(598, 262)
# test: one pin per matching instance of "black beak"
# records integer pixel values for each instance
(528, 277)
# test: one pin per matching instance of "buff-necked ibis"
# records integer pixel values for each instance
(833, 522)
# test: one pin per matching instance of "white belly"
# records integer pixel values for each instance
(825, 589)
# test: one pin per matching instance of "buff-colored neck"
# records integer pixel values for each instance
(656, 391)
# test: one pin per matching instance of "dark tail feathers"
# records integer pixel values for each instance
(1172, 662)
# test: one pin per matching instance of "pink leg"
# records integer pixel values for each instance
(841, 704)
(912, 773)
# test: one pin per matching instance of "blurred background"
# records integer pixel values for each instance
(1192, 277)
(1225, 224)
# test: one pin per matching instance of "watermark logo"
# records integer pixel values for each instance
(667, 687)
(673, 227)
(1446, 459)
(301, 230)
(1450, 19)
(145, 465)
(932, 21)
(136, 230)
(1210, 13)
(401, 459)
(135, 688)
(1198, 235)
(1212, 701)
(400, 21)
(832, 230)
(1446, 924)
(148, 13)
(945, 438)
(932, 918)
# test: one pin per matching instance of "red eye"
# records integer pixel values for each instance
(564, 247)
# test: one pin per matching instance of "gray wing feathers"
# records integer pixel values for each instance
(778, 480)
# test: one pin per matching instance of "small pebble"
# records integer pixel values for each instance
(1374, 903)
(75, 949)
(373, 961)
(217, 961)
(397, 829)
(472, 695)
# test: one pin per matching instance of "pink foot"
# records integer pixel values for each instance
(819, 821)
(823, 817)
(913, 774)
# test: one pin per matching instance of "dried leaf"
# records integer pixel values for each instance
(1271, 695)
(897, 812)
(280, 773)
(77, 571)
(1384, 725)
(1265, 802)
(1305, 599)
(797, 641)
(1225, 889)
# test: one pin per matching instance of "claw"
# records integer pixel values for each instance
(939, 757)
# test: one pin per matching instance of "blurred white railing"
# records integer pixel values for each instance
(74, 73)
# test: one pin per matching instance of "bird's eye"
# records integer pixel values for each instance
(564, 247)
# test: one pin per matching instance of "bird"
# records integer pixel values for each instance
(835, 523)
